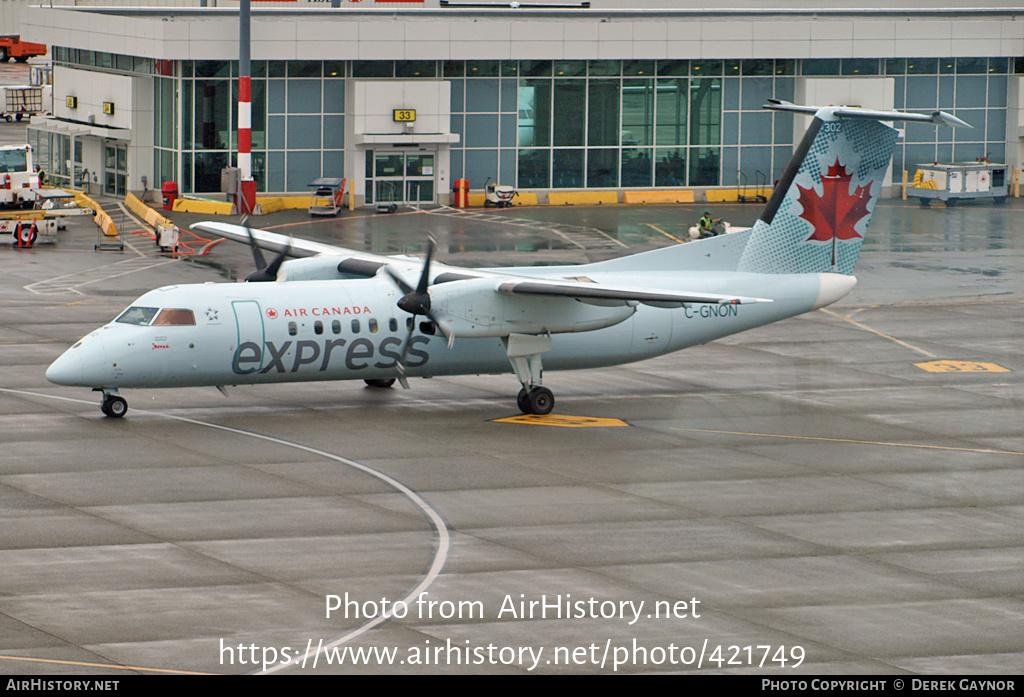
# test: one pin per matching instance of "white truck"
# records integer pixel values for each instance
(18, 176)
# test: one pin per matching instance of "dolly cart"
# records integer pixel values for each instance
(325, 198)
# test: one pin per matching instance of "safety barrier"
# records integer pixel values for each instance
(272, 204)
(152, 218)
(722, 195)
(192, 205)
(645, 197)
(583, 198)
(100, 217)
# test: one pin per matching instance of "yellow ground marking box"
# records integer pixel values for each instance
(562, 420)
(961, 367)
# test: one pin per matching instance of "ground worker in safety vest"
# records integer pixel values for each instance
(707, 225)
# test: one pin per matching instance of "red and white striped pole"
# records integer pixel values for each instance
(247, 186)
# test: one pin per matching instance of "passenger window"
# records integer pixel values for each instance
(373, 326)
(393, 324)
(318, 327)
(175, 318)
(355, 326)
(293, 329)
(336, 326)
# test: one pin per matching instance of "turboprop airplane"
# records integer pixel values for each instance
(337, 314)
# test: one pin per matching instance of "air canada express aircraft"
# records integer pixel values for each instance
(336, 314)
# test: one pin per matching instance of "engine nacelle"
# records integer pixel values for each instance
(475, 308)
(318, 268)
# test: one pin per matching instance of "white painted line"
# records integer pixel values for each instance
(441, 532)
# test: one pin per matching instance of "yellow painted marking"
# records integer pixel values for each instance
(961, 367)
(107, 666)
(651, 225)
(848, 440)
(875, 331)
(562, 420)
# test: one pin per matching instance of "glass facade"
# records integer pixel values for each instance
(550, 124)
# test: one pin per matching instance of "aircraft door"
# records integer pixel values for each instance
(249, 351)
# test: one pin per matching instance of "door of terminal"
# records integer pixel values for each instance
(404, 177)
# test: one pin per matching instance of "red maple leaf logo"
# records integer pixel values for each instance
(836, 211)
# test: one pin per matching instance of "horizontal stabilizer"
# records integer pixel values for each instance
(940, 118)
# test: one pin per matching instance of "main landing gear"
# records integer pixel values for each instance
(524, 351)
(114, 405)
(536, 400)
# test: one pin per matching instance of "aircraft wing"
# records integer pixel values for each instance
(349, 260)
(367, 264)
(599, 293)
(273, 241)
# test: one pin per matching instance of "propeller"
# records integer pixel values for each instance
(416, 301)
(264, 271)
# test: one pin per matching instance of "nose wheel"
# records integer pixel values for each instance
(115, 406)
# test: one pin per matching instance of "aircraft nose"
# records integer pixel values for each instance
(66, 370)
(82, 365)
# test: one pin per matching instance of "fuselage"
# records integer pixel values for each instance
(249, 333)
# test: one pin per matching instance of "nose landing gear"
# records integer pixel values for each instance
(114, 405)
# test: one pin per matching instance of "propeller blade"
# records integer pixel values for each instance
(275, 265)
(257, 253)
(405, 346)
(444, 330)
(402, 285)
(417, 302)
(264, 272)
(425, 276)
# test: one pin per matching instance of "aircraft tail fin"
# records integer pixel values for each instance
(816, 218)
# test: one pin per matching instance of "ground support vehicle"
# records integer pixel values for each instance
(18, 177)
(953, 183)
(20, 51)
(21, 102)
(325, 197)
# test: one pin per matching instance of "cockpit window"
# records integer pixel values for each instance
(175, 318)
(141, 316)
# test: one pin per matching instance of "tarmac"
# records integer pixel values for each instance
(820, 496)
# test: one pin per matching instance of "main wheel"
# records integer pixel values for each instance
(540, 400)
(114, 406)
(523, 401)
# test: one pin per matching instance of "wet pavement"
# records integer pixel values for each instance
(834, 506)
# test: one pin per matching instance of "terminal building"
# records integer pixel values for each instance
(404, 97)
